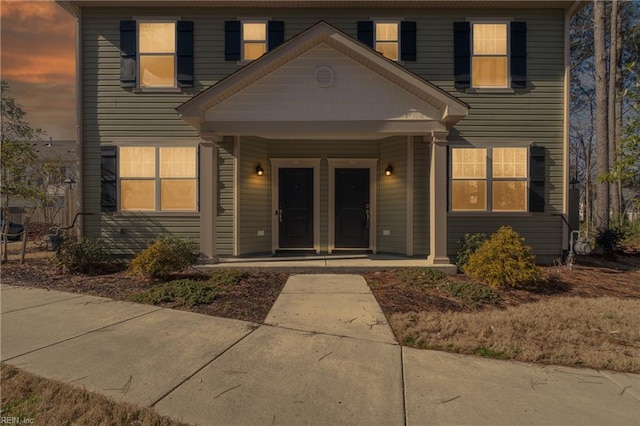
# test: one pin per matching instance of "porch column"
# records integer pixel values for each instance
(438, 200)
(208, 199)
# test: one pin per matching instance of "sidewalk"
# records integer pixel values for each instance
(325, 355)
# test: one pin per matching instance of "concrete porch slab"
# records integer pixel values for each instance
(279, 376)
(449, 389)
(140, 360)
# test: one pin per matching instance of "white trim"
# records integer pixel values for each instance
(236, 192)
(565, 125)
(276, 165)
(353, 163)
(410, 181)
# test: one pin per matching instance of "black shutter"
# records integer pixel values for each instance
(184, 51)
(232, 40)
(276, 34)
(536, 178)
(365, 32)
(408, 41)
(128, 43)
(462, 54)
(109, 178)
(518, 55)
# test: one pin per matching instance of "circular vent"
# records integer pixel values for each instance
(323, 76)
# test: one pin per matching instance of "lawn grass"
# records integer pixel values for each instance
(600, 333)
(32, 399)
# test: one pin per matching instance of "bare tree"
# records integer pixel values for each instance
(602, 212)
(614, 121)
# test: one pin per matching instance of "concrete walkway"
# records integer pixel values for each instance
(325, 355)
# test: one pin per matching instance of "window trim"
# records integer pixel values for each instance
(398, 41)
(478, 89)
(254, 20)
(489, 179)
(161, 20)
(157, 179)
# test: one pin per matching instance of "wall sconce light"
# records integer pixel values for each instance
(259, 170)
(389, 170)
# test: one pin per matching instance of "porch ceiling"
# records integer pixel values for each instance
(322, 82)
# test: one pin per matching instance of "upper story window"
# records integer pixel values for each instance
(490, 55)
(254, 40)
(157, 54)
(387, 39)
(247, 40)
(489, 179)
(489, 63)
(155, 178)
(395, 40)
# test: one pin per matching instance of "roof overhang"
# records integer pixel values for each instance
(438, 110)
(73, 5)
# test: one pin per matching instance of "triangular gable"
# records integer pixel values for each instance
(319, 75)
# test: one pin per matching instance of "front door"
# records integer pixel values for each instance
(353, 212)
(295, 209)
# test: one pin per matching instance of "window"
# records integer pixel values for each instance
(395, 40)
(490, 55)
(254, 40)
(489, 62)
(157, 60)
(489, 179)
(387, 39)
(157, 178)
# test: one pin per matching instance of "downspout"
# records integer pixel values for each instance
(79, 128)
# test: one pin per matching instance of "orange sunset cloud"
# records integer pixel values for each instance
(38, 61)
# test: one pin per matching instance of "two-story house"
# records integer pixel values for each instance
(323, 126)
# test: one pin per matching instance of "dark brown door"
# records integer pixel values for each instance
(353, 212)
(296, 208)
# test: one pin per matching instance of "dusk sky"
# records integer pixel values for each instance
(38, 61)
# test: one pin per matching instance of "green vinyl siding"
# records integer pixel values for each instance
(392, 197)
(422, 165)
(225, 205)
(254, 197)
(112, 114)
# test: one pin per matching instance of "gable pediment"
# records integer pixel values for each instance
(322, 75)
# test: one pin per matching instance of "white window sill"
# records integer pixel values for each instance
(157, 90)
(489, 214)
(155, 214)
(485, 90)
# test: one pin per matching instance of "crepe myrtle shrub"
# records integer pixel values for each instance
(165, 256)
(504, 260)
(84, 256)
(468, 245)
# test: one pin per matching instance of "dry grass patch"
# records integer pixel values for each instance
(599, 333)
(26, 396)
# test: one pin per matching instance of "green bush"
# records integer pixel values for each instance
(165, 256)
(185, 292)
(504, 261)
(227, 277)
(84, 256)
(470, 292)
(420, 277)
(610, 241)
(468, 245)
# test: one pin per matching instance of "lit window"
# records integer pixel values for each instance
(158, 179)
(489, 179)
(387, 41)
(157, 47)
(254, 40)
(489, 62)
